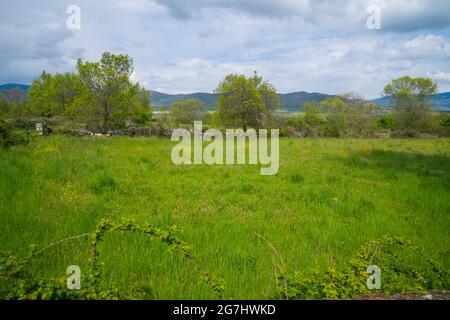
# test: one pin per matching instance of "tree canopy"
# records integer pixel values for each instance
(412, 109)
(186, 112)
(100, 93)
(51, 95)
(106, 91)
(245, 101)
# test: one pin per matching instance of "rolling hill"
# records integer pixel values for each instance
(440, 101)
(159, 99)
(292, 102)
(13, 92)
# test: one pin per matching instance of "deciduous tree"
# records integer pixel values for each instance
(51, 95)
(107, 94)
(186, 112)
(412, 110)
(244, 102)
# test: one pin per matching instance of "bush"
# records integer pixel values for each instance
(386, 122)
(333, 128)
(9, 138)
(445, 125)
(402, 271)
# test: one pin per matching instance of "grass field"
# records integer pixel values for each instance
(330, 197)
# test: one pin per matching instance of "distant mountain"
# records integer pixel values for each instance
(159, 99)
(440, 101)
(291, 102)
(14, 92)
(9, 86)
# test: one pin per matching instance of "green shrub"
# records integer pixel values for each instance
(399, 273)
(386, 122)
(8, 137)
(445, 125)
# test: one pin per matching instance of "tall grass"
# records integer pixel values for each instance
(329, 198)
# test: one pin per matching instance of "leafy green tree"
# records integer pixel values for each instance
(386, 121)
(244, 102)
(412, 111)
(268, 93)
(51, 95)
(142, 110)
(186, 112)
(107, 94)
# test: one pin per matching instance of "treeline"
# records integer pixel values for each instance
(251, 101)
(100, 97)
(351, 115)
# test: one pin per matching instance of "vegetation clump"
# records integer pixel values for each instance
(18, 280)
(400, 273)
(9, 137)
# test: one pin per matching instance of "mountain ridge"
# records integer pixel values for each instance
(291, 102)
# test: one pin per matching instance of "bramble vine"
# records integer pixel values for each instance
(401, 272)
(18, 282)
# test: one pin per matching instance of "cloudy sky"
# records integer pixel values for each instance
(182, 46)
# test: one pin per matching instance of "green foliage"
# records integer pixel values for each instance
(348, 115)
(4, 108)
(8, 136)
(52, 95)
(310, 122)
(100, 94)
(107, 96)
(18, 281)
(400, 272)
(244, 102)
(386, 122)
(445, 124)
(141, 108)
(407, 86)
(267, 92)
(412, 112)
(186, 112)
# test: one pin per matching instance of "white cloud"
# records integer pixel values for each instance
(440, 76)
(179, 46)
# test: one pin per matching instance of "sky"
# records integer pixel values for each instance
(184, 46)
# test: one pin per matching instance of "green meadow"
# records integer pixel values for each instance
(330, 197)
